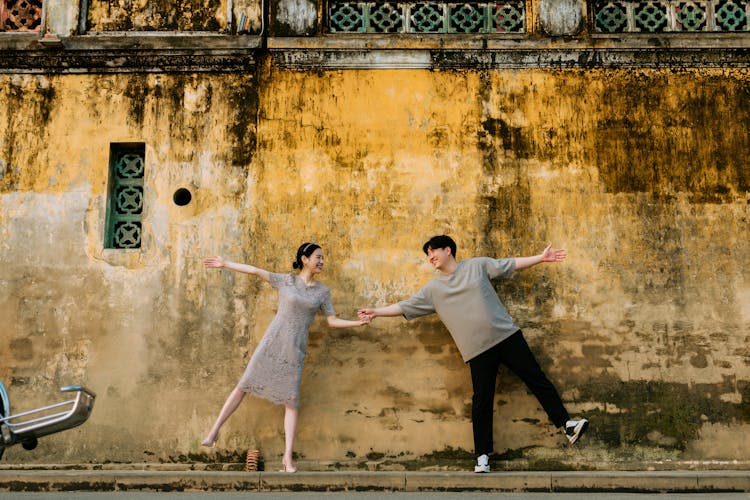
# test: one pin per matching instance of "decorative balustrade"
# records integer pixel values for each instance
(427, 17)
(671, 16)
(608, 16)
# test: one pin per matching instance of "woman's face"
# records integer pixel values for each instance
(314, 262)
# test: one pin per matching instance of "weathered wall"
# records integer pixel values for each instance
(193, 15)
(640, 174)
(125, 15)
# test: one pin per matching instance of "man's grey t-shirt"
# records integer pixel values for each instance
(468, 304)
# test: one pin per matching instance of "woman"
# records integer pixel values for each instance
(275, 368)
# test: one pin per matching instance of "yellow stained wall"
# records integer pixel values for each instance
(640, 174)
(188, 15)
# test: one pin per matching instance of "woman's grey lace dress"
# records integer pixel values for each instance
(275, 368)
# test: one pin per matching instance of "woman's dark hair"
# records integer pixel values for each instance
(305, 249)
(441, 241)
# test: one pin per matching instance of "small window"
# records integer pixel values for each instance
(125, 195)
(21, 15)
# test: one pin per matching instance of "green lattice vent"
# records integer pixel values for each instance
(427, 17)
(674, 16)
(125, 195)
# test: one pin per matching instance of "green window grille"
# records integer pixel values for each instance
(21, 15)
(125, 195)
(659, 16)
(731, 15)
(427, 17)
(651, 17)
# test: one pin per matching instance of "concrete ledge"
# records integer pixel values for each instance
(155, 480)
(724, 481)
(219, 53)
(56, 480)
(186, 481)
(332, 481)
(127, 61)
(651, 482)
(469, 481)
(518, 58)
(626, 482)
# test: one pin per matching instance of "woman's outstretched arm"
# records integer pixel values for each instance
(217, 262)
(335, 322)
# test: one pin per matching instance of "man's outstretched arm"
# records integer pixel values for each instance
(548, 255)
(392, 310)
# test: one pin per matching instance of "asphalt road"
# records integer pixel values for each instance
(123, 495)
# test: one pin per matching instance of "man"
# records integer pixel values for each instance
(463, 296)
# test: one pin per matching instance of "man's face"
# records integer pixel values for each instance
(439, 257)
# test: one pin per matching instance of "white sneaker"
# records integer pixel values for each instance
(575, 429)
(483, 464)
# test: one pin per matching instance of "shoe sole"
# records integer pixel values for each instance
(584, 426)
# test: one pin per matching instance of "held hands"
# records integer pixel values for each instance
(553, 254)
(364, 320)
(214, 262)
(366, 315)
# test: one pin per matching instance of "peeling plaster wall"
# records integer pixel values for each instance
(640, 174)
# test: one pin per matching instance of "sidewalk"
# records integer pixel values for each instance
(99, 478)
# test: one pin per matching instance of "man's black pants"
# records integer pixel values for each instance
(514, 353)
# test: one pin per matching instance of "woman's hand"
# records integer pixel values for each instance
(335, 322)
(364, 320)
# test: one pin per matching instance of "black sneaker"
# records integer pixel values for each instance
(575, 429)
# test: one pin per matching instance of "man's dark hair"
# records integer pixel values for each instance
(441, 241)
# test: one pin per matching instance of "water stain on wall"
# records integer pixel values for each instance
(685, 146)
(24, 122)
(674, 410)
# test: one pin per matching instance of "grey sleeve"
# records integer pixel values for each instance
(419, 304)
(499, 268)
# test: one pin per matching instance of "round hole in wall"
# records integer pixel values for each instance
(182, 197)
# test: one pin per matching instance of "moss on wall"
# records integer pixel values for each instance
(28, 103)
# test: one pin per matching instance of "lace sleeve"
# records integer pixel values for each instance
(278, 280)
(327, 306)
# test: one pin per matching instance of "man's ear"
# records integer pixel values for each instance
(448, 249)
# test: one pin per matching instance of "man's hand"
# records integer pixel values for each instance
(215, 262)
(553, 254)
(366, 314)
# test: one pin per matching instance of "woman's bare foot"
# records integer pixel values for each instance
(288, 466)
(210, 441)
